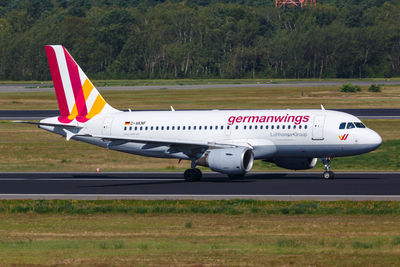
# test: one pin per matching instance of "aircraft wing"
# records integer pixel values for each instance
(170, 142)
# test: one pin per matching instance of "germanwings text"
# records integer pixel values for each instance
(260, 119)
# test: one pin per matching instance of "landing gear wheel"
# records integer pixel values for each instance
(327, 164)
(192, 175)
(329, 175)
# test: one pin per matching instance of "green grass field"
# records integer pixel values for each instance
(222, 98)
(199, 233)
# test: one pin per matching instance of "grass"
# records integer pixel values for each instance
(226, 207)
(27, 148)
(214, 239)
(222, 98)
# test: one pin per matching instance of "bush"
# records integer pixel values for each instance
(374, 88)
(350, 88)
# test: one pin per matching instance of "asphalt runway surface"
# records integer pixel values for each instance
(277, 186)
(40, 114)
(23, 88)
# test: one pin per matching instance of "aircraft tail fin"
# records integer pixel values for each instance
(76, 95)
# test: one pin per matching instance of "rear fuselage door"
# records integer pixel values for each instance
(318, 127)
(107, 126)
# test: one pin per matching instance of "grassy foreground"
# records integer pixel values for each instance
(27, 148)
(199, 233)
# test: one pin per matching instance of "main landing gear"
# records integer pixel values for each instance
(327, 173)
(193, 174)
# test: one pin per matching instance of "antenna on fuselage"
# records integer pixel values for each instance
(322, 107)
(172, 108)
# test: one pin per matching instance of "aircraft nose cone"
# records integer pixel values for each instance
(375, 140)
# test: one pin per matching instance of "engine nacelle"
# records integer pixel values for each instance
(232, 161)
(296, 163)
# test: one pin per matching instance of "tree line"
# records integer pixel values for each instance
(116, 39)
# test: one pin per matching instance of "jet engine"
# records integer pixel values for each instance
(231, 161)
(296, 163)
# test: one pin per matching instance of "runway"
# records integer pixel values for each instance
(262, 186)
(41, 114)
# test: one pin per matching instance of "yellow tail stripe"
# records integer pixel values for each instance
(97, 107)
(87, 88)
(74, 113)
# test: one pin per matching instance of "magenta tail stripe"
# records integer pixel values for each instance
(76, 84)
(57, 82)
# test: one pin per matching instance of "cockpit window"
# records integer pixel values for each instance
(359, 125)
(342, 125)
(350, 125)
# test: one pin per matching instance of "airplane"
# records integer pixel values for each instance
(226, 141)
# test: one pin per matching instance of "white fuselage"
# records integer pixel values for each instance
(188, 134)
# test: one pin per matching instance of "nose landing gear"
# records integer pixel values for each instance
(327, 173)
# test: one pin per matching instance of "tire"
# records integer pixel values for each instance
(329, 175)
(192, 175)
(199, 174)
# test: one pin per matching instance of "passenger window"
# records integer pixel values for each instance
(261, 127)
(342, 126)
(255, 127)
(244, 127)
(136, 128)
(162, 128)
(124, 128)
(194, 127)
(141, 128)
(299, 126)
(178, 127)
(156, 128)
(277, 127)
(222, 127)
(146, 128)
(294, 126)
(173, 128)
(250, 127)
(272, 127)
(200, 127)
(350, 125)
(151, 128)
(210, 127)
(237, 127)
(305, 127)
(283, 127)
(205, 127)
(288, 127)
(266, 127)
(359, 125)
(167, 127)
(228, 127)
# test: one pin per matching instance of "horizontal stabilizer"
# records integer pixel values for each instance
(48, 124)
